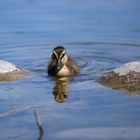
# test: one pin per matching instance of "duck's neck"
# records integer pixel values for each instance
(64, 71)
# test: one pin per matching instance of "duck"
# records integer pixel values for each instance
(61, 64)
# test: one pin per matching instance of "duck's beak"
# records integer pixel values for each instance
(58, 64)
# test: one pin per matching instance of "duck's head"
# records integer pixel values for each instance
(59, 57)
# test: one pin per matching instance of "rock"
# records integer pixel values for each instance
(10, 72)
(127, 68)
(125, 77)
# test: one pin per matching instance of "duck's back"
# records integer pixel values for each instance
(72, 66)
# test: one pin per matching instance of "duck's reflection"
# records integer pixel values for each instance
(60, 90)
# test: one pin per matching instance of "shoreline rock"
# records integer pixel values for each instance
(11, 72)
(125, 77)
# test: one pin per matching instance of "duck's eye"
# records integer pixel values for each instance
(62, 55)
(54, 56)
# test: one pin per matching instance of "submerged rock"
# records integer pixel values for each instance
(125, 77)
(10, 72)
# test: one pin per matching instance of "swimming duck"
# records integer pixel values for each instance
(61, 64)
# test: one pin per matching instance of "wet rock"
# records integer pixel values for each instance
(125, 77)
(10, 72)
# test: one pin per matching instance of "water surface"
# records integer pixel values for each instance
(100, 35)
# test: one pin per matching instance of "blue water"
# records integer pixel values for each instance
(100, 35)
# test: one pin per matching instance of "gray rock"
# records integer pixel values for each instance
(125, 77)
(127, 68)
(10, 72)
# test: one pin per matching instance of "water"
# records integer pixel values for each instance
(100, 35)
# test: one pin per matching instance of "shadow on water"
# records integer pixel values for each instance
(40, 128)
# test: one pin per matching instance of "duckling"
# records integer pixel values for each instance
(61, 64)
